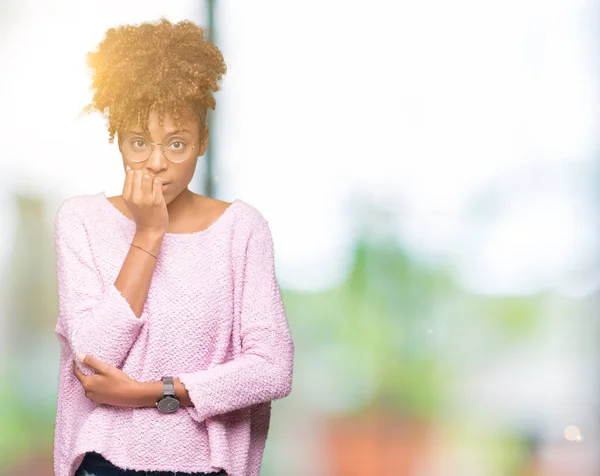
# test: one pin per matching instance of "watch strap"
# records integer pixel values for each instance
(168, 386)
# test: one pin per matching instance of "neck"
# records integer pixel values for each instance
(181, 204)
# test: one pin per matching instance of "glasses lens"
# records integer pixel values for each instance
(178, 150)
(136, 149)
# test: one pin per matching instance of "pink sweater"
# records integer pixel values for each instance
(213, 317)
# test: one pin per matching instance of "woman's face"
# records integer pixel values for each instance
(183, 144)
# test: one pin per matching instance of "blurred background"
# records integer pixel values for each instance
(430, 174)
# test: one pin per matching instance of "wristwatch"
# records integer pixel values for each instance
(169, 401)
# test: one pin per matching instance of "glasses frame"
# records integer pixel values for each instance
(153, 145)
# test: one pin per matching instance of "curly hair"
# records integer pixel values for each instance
(170, 68)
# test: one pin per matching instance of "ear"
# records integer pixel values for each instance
(203, 141)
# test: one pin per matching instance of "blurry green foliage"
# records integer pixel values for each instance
(394, 322)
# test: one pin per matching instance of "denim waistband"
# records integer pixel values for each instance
(94, 461)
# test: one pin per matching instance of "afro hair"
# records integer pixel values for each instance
(170, 68)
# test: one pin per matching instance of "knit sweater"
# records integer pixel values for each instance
(213, 317)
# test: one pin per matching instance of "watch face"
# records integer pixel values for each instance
(168, 404)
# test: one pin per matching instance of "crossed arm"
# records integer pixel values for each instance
(103, 323)
(111, 386)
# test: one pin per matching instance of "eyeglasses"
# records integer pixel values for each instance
(139, 149)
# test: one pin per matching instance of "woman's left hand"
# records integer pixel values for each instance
(109, 386)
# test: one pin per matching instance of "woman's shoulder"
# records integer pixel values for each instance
(248, 215)
(74, 203)
(252, 230)
(75, 207)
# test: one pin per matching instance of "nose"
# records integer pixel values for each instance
(157, 160)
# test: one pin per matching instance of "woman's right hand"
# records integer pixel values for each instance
(142, 193)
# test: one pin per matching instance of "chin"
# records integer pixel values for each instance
(169, 196)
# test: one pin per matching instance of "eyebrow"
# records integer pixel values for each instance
(177, 131)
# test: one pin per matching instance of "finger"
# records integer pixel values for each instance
(137, 187)
(157, 191)
(147, 188)
(95, 364)
(78, 373)
(128, 185)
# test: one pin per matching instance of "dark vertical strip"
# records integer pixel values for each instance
(209, 185)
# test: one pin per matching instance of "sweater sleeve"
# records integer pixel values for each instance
(263, 370)
(94, 317)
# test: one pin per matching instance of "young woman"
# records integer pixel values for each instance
(174, 338)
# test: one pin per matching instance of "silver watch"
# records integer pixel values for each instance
(169, 402)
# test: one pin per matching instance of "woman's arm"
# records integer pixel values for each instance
(263, 371)
(146, 394)
(95, 319)
(136, 273)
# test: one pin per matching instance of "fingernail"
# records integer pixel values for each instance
(80, 356)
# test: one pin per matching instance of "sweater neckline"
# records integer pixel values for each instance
(221, 219)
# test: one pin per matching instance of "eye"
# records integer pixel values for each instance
(137, 142)
(177, 145)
